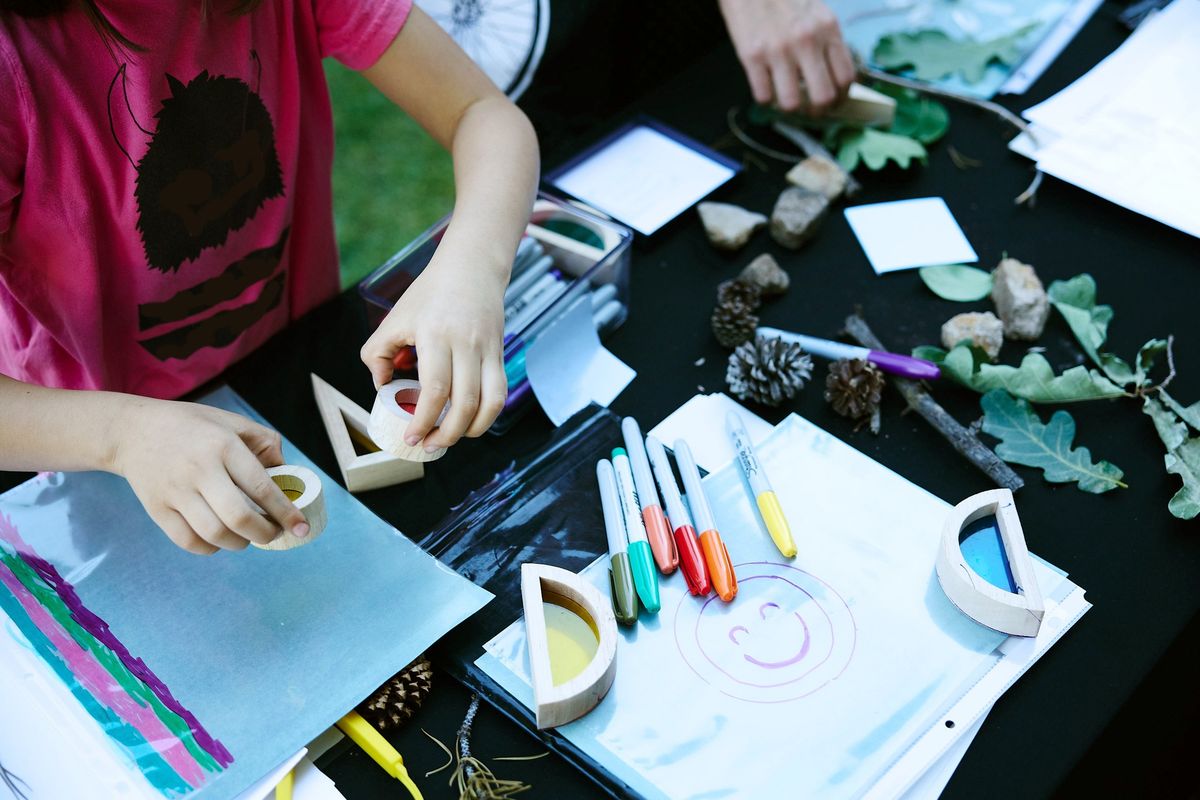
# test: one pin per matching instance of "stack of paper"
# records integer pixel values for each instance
(845, 672)
(1126, 131)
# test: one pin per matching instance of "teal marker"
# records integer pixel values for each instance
(645, 576)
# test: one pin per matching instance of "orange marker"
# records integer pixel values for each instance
(658, 530)
(716, 555)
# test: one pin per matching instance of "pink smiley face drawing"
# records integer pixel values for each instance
(785, 636)
(771, 636)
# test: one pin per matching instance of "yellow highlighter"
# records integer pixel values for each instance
(764, 495)
(363, 734)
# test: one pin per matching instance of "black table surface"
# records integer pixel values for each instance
(1112, 708)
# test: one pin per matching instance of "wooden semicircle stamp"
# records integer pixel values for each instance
(566, 690)
(1018, 612)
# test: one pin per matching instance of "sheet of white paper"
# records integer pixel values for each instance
(312, 784)
(909, 233)
(701, 421)
(569, 368)
(644, 179)
(1130, 116)
(933, 782)
(815, 639)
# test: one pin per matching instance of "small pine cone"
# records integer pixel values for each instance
(733, 323)
(739, 291)
(397, 700)
(854, 388)
(767, 370)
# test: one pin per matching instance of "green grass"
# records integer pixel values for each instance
(390, 180)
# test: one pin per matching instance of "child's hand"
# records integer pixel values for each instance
(453, 313)
(190, 464)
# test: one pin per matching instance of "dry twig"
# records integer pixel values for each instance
(923, 403)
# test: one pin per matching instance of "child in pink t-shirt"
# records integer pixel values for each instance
(165, 207)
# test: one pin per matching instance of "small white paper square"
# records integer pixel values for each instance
(644, 178)
(909, 233)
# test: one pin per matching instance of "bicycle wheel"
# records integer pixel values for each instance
(506, 38)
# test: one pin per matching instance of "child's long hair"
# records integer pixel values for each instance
(108, 32)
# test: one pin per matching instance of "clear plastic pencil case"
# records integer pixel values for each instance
(565, 253)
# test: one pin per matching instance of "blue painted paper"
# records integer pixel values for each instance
(267, 649)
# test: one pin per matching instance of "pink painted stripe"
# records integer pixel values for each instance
(104, 688)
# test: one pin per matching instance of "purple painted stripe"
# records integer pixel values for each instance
(99, 629)
(96, 679)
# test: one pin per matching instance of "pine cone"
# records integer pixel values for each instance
(739, 291)
(397, 700)
(767, 370)
(733, 323)
(854, 388)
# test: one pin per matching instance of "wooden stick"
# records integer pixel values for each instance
(923, 403)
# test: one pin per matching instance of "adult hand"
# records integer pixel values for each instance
(196, 470)
(792, 52)
(453, 313)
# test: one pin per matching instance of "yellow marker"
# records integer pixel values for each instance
(283, 789)
(764, 495)
(363, 734)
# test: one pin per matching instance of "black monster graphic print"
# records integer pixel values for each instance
(210, 167)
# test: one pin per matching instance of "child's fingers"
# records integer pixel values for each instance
(434, 372)
(464, 400)
(251, 478)
(207, 525)
(180, 533)
(379, 353)
(493, 392)
(236, 513)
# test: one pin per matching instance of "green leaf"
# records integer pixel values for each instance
(876, 148)
(1034, 380)
(1182, 458)
(1189, 414)
(1147, 355)
(933, 55)
(957, 282)
(1075, 299)
(930, 353)
(1172, 432)
(917, 116)
(1024, 439)
(759, 114)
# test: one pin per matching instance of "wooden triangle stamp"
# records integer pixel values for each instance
(1018, 612)
(363, 465)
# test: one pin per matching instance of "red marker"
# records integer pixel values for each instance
(691, 560)
(405, 360)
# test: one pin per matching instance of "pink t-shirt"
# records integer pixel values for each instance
(163, 213)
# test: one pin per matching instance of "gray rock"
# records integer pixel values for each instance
(1020, 300)
(729, 227)
(983, 330)
(797, 216)
(765, 273)
(819, 174)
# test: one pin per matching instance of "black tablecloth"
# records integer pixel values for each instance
(1112, 708)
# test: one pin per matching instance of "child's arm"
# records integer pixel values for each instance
(185, 462)
(454, 312)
